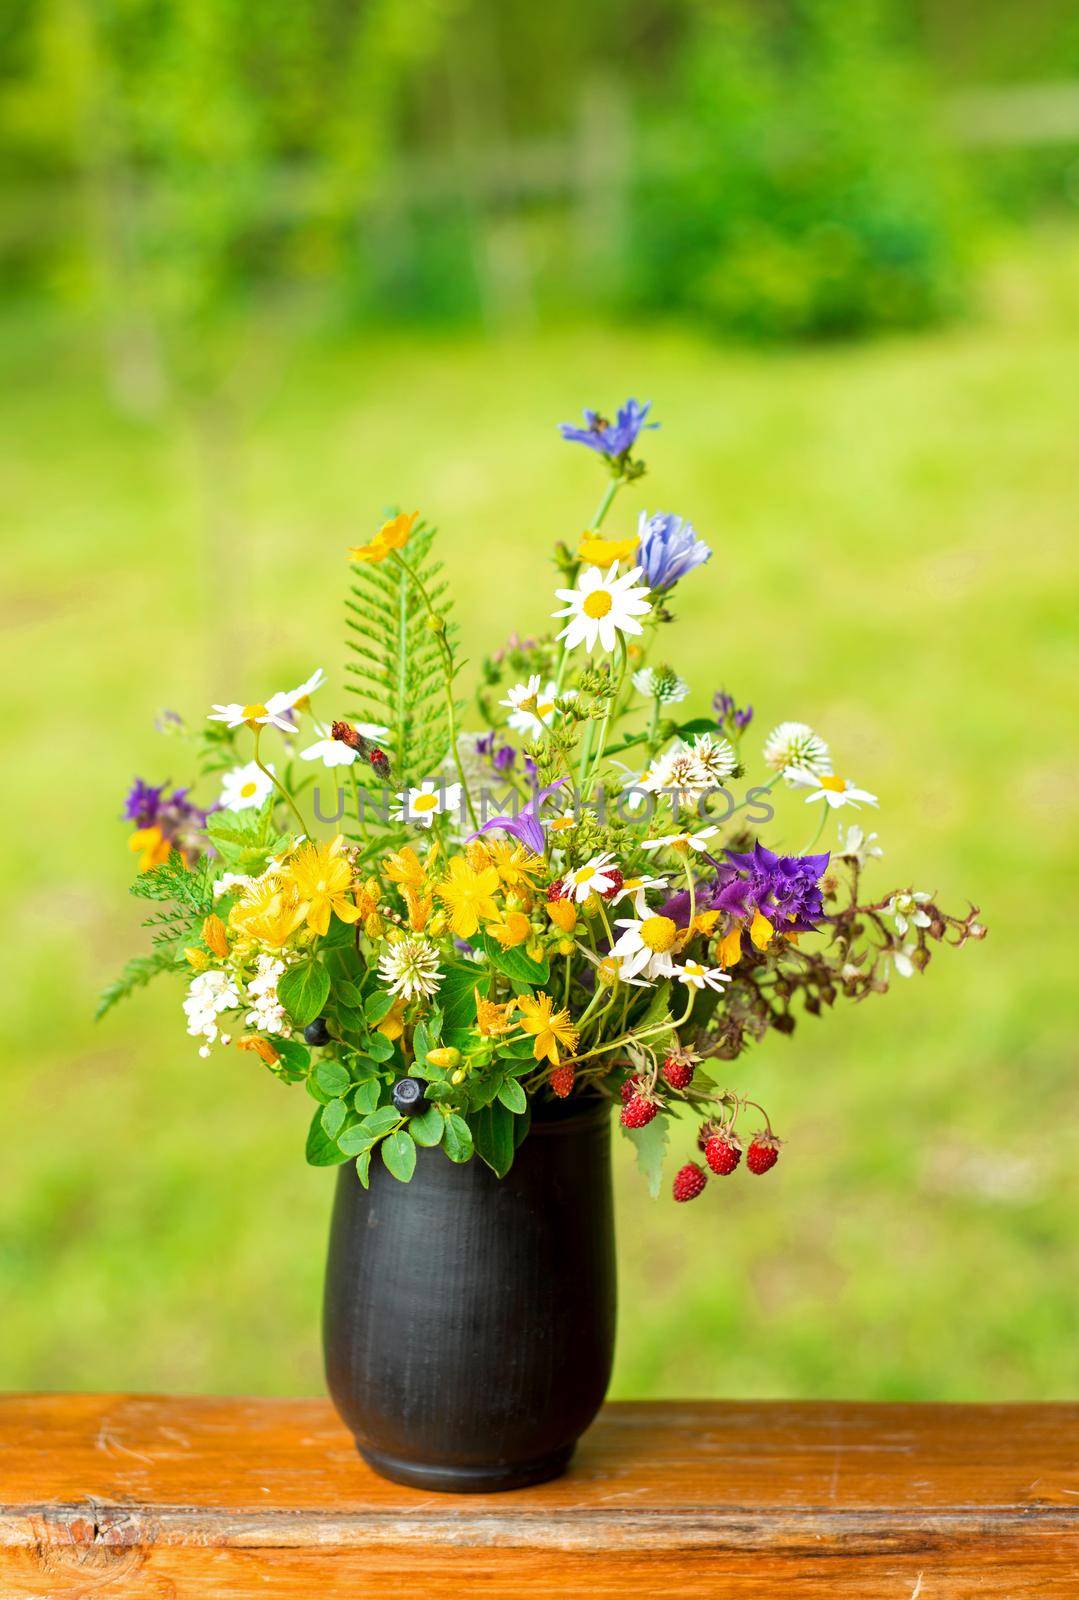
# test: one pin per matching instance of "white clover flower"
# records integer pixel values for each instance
(662, 685)
(696, 976)
(855, 845)
(794, 744)
(600, 608)
(833, 790)
(714, 758)
(424, 804)
(410, 967)
(597, 876)
(676, 775)
(267, 1014)
(208, 994)
(905, 910)
(244, 787)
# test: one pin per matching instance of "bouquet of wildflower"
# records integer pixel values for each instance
(571, 900)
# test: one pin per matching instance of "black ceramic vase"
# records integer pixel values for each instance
(469, 1321)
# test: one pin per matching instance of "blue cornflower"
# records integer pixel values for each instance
(668, 548)
(615, 439)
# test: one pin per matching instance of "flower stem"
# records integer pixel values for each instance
(289, 801)
(597, 518)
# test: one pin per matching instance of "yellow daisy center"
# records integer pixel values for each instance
(425, 802)
(584, 875)
(694, 968)
(597, 604)
(834, 783)
(251, 712)
(545, 708)
(658, 934)
(248, 789)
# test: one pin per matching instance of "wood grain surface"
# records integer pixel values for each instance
(139, 1497)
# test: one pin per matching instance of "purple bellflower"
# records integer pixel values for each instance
(526, 825)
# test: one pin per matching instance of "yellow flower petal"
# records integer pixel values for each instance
(760, 931)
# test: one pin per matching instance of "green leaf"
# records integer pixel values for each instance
(332, 1077)
(512, 1096)
(303, 990)
(346, 993)
(378, 1006)
(322, 1151)
(514, 963)
(296, 1056)
(338, 935)
(363, 1167)
(378, 1047)
(245, 839)
(492, 1132)
(399, 1154)
(366, 1097)
(457, 1139)
(428, 1127)
(381, 1121)
(457, 996)
(650, 1143)
(333, 1118)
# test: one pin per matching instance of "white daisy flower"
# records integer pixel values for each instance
(715, 759)
(532, 704)
(267, 1014)
(336, 753)
(424, 804)
(660, 684)
(905, 910)
(855, 845)
(595, 877)
(410, 967)
(562, 823)
(276, 712)
(682, 842)
(646, 947)
(794, 744)
(244, 787)
(826, 786)
(635, 889)
(600, 608)
(696, 976)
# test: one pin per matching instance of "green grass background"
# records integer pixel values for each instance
(893, 529)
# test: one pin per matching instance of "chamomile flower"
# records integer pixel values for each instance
(682, 842)
(410, 967)
(635, 889)
(826, 786)
(597, 876)
(660, 683)
(244, 787)
(275, 712)
(336, 753)
(424, 804)
(532, 705)
(905, 910)
(600, 608)
(646, 948)
(794, 744)
(297, 699)
(696, 976)
(856, 845)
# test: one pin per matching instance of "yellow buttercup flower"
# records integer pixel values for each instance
(551, 1028)
(151, 846)
(322, 878)
(392, 535)
(468, 896)
(420, 907)
(600, 552)
(760, 931)
(493, 1019)
(513, 930)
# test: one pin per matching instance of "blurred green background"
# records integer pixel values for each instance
(269, 268)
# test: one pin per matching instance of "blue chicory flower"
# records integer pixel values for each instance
(615, 439)
(668, 548)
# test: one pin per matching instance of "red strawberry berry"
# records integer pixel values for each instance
(678, 1072)
(630, 1087)
(638, 1112)
(723, 1151)
(763, 1153)
(556, 890)
(689, 1181)
(617, 880)
(561, 1080)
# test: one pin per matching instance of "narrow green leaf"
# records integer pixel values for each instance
(363, 1167)
(650, 1143)
(492, 1132)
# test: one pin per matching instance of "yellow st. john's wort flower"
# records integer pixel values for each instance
(261, 1047)
(392, 535)
(269, 912)
(151, 847)
(493, 1019)
(468, 896)
(516, 865)
(550, 1027)
(600, 552)
(405, 868)
(514, 929)
(214, 936)
(322, 877)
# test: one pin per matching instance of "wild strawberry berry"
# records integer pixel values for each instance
(556, 890)
(723, 1151)
(689, 1181)
(561, 1080)
(763, 1153)
(616, 882)
(705, 1132)
(678, 1073)
(630, 1087)
(638, 1112)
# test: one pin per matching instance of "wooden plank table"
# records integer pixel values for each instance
(141, 1497)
